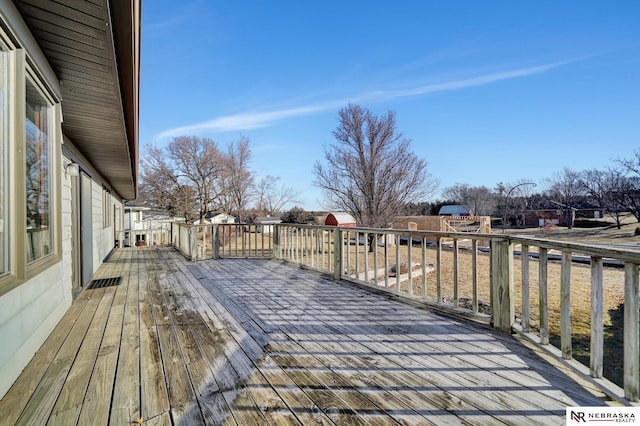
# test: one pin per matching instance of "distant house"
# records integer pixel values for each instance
(340, 219)
(555, 213)
(589, 209)
(220, 218)
(134, 221)
(265, 223)
(215, 218)
(455, 210)
(139, 218)
(133, 218)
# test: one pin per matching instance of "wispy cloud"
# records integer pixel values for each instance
(248, 121)
(238, 122)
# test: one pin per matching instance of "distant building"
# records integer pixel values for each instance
(340, 219)
(265, 223)
(555, 213)
(455, 210)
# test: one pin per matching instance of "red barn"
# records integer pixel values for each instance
(340, 219)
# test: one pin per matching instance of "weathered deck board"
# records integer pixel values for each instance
(12, 405)
(339, 348)
(239, 341)
(97, 402)
(355, 313)
(69, 403)
(154, 401)
(125, 404)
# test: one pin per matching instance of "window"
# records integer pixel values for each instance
(4, 160)
(106, 208)
(38, 173)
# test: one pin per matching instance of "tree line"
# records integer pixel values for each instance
(614, 189)
(370, 172)
(192, 177)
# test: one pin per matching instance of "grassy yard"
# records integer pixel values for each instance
(613, 279)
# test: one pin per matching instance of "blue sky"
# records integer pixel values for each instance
(488, 92)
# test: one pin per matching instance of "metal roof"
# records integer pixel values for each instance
(93, 46)
(454, 209)
(342, 217)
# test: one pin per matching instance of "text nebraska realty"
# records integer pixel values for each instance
(617, 417)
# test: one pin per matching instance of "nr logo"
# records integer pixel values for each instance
(578, 416)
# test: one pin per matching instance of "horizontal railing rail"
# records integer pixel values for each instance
(160, 234)
(491, 277)
(223, 240)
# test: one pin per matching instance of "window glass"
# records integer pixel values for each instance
(4, 160)
(38, 174)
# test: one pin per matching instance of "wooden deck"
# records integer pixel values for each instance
(246, 342)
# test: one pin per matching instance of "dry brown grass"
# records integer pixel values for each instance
(613, 282)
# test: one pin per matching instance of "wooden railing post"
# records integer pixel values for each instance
(193, 243)
(543, 300)
(502, 288)
(337, 253)
(631, 364)
(215, 241)
(565, 305)
(597, 337)
(276, 241)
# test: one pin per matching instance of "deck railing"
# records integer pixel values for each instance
(213, 241)
(491, 277)
(158, 235)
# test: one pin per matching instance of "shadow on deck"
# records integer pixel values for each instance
(258, 342)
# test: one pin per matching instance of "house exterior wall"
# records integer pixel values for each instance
(103, 236)
(35, 295)
(540, 217)
(27, 315)
(133, 220)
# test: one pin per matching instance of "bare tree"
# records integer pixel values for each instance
(237, 179)
(160, 186)
(632, 189)
(189, 168)
(272, 197)
(564, 189)
(517, 199)
(609, 188)
(478, 198)
(370, 172)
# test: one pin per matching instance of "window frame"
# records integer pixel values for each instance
(5, 151)
(106, 208)
(36, 266)
(44, 192)
(10, 276)
(25, 61)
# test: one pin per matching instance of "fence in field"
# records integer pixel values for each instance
(489, 277)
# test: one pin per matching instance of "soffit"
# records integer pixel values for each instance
(93, 47)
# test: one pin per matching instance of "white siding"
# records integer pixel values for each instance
(30, 312)
(66, 230)
(103, 240)
(27, 316)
